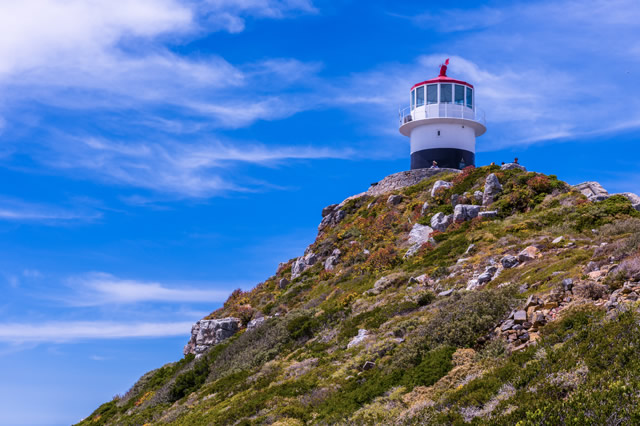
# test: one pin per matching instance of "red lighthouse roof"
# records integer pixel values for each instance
(442, 78)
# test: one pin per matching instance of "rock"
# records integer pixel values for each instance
(383, 283)
(509, 261)
(423, 279)
(519, 317)
(592, 190)
(362, 335)
(507, 325)
(255, 323)
(470, 249)
(550, 305)
(472, 284)
(484, 278)
(567, 284)
(538, 319)
(404, 179)
(446, 293)
(283, 283)
(394, 200)
(302, 264)
(332, 260)
(454, 199)
(478, 196)
(558, 240)
(492, 188)
(490, 214)
(419, 235)
(531, 301)
(368, 365)
(331, 218)
(440, 185)
(464, 212)
(633, 296)
(328, 210)
(512, 166)
(528, 253)
(523, 288)
(208, 333)
(425, 207)
(524, 337)
(591, 266)
(440, 221)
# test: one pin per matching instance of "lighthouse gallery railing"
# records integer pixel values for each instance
(441, 110)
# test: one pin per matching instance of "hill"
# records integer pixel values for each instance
(492, 295)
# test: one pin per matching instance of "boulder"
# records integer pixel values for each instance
(329, 209)
(512, 166)
(492, 187)
(283, 283)
(419, 235)
(509, 261)
(507, 325)
(478, 196)
(208, 333)
(490, 214)
(485, 277)
(332, 261)
(255, 323)
(362, 335)
(567, 284)
(446, 293)
(528, 253)
(454, 199)
(331, 217)
(464, 212)
(394, 200)
(440, 221)
(302, 264)
(519, 317)
(440, 185)
(382, 284)
(557, 240)
(592, 190)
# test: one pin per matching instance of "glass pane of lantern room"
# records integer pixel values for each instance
(420, 96)
(469, 97)
(413, 99)
(432, 94)
(445, 93)
(459, 94)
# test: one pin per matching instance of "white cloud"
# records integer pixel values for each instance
(100, 288)
(21, 211)
(62, 332)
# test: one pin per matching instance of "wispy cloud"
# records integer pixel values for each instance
(99, 288)
(21, 211)
(62, 332)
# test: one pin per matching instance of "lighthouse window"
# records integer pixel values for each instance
(469, 97)
(413, 99)
(420, 96)
(432, 94)
(459, 95)
(445, 93)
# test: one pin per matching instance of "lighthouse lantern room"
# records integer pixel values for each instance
(442, 122)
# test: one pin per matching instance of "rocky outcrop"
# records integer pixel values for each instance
(361, 337)
(331, 216)
(303, 263)
(635, 199)
(512, 166)
(492, 188)
(394, 200)
(440, 185)
(401, 180)
(207, 333)
(332, 261)
(441, 221)
(528, 253)
(419, 235)
(592, 190)
(464, 212)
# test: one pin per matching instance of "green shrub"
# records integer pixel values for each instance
(425, 298)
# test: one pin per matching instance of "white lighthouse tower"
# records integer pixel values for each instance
(442, 122)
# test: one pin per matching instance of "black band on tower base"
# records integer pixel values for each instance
(450, 158)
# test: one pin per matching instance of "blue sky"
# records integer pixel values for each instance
(157, 154)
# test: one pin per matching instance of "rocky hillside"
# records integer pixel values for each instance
(491, 295)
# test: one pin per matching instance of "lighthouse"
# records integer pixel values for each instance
(442, 122)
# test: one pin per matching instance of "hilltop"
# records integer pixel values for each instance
(488, 295)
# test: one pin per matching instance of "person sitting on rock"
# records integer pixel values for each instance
(434, 164)
(515, 161)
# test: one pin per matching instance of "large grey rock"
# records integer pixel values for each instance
(419, 235)
(255, 323)
(441, 221)
(492, 188)
(283, 283)
(331, 216)
(440, 185)
(592, 190)
(478, 196)
(332, 261)
(454, 199)
(394, 200)
(464, 212)
(490, 214)
(329, 209)
(519, 317)
(511, 166)
(208, 333)
(302, 264)
(528, 253)
(509, 261)
(425, 207)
